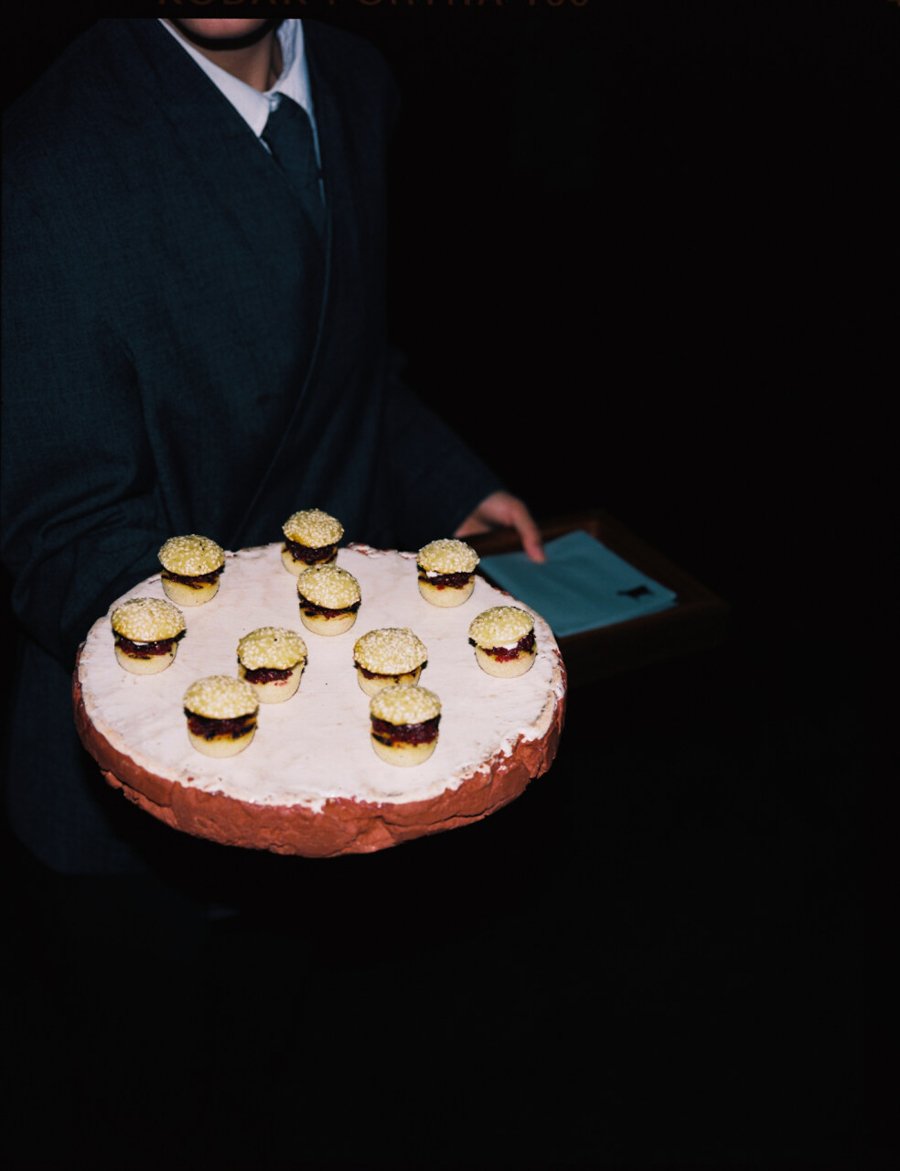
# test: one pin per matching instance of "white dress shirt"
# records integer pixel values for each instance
(252, 105)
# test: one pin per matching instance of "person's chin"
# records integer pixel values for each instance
(224, 33)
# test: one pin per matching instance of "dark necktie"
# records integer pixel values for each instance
(288, 134)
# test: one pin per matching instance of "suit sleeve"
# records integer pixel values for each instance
(80, 516)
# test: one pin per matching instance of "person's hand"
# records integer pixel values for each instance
(502, 509)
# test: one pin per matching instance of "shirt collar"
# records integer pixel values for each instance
(253, 106)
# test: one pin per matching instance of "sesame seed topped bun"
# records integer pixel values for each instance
(329, 599)
(221, 697)
(388, 655)
(446, 572)
(147, 620)
(191, 556)
(404, 721)
(271, 646)
(503, 637)
(447, 556)
(192, 566)
(313, 527)
(405, 704)
(311, 537)
(221, 713)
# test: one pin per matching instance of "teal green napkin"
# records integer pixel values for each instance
(581, 586)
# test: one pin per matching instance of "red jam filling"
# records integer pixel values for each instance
(146, 650)
(309, 555)
(195, 582)
(376, 675)
(268, 675)
(443, 581)
(211, 729)
(390, 734)
(312, 610)
(504, 654)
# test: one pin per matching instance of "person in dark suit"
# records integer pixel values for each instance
(186, 350)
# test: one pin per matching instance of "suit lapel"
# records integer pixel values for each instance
(242, 201)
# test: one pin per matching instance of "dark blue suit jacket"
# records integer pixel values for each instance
(180, 356)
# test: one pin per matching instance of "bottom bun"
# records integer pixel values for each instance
(149, 666)
(185, 595)
(373, 686)
(505, 668)
(404, 754)
(221, 745)
(446, 595)
(319, 624)
(275, 690)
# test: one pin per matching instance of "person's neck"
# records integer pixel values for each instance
(257, 63)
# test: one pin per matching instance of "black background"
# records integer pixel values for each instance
(643, 257)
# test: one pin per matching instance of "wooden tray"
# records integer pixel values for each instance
(310, 784)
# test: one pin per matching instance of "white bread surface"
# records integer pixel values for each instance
(316, 749)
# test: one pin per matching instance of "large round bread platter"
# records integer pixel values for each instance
(310, 783)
